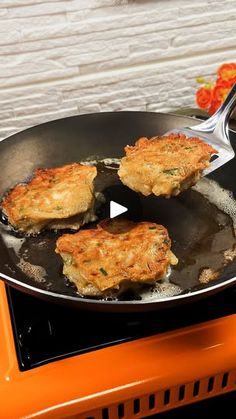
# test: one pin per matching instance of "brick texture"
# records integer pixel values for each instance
(66, 57)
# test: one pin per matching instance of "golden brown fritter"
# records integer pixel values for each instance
(54, 198)
(118, 253)
(164, 165)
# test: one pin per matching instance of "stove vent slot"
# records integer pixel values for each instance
(166, 399)
(181, 392)
(136, 406)
(121, 410)
(151, 403)
(105, 413)
(210, 386)
(225, 380)
(196, 388)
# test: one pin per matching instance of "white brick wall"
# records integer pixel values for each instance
(65, 57)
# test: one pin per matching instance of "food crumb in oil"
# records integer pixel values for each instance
(35, 272)
(230, 254)
(208, 275)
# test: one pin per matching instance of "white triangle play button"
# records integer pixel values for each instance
(116, 209)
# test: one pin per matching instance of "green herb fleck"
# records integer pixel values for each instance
(172, 171)
(103, 271)
(68, 260)
(190, 148)
(152, 228)
(58, 208)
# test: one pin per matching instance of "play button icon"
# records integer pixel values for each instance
(116, 209)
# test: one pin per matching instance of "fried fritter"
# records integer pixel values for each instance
(54, 198)
(164, 165)
(117, 254)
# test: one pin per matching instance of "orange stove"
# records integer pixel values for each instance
(57, 362)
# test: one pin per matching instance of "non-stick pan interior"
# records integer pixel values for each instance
(201, 233)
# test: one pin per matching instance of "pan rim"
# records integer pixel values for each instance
(127, 303)
(177, 115)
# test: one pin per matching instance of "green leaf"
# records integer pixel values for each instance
(103, 271)
(173, 171)
(58, 208)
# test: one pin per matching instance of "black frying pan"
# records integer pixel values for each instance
(200, 232)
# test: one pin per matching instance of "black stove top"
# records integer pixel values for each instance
(45, 332)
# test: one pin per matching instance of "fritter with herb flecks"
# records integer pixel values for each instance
(117, 254)
(54, 198)
(164, 165)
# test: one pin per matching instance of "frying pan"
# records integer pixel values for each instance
(200, 232)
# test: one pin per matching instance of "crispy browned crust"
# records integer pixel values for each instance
(164, 165)
(51, 198)
(117, 251)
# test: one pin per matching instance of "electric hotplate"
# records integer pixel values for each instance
(45, 332)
